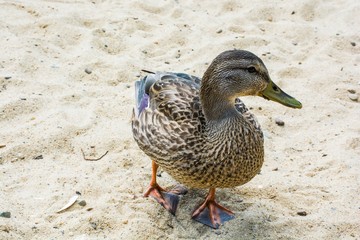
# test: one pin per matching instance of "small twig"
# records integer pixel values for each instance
(2, 145)
(93, 159)
(147, 71)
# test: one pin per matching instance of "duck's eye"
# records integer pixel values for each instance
(251, 69)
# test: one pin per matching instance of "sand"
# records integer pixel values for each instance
(50, 109)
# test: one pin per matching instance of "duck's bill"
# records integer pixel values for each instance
(274, 93)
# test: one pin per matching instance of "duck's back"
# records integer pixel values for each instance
(169, 116)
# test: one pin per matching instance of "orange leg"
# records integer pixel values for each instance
(169, 200)
(153, 183)
(211, 213)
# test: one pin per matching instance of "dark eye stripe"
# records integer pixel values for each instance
(251, 69)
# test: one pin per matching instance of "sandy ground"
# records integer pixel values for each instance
(50, 109)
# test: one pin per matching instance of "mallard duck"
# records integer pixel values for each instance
(200, 132)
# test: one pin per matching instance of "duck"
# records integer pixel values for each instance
(200, 132)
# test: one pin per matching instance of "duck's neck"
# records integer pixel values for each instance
(216, 105)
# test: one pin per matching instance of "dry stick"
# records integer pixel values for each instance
(2, 146)
(93, 159)
(147, 71)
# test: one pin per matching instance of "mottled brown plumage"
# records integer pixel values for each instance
(200, 132)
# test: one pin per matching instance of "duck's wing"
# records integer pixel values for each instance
(241, 108)
(168, 117)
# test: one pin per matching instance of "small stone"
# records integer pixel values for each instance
(7, 77)
(293, 12)
(38, 220)
(88, 71)
(275, 169)
(167, 62)
(5, 214)
(302, 213)
(279, 122)
(94, 225)
(353, 44)
(351, 91)
(38, 157)
(125, 222)
(219, 31)
(353, 96)
(82, 203)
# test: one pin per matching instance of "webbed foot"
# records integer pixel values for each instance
(211, 213)
(168, 200)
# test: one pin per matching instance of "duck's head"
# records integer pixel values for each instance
(237, 73)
